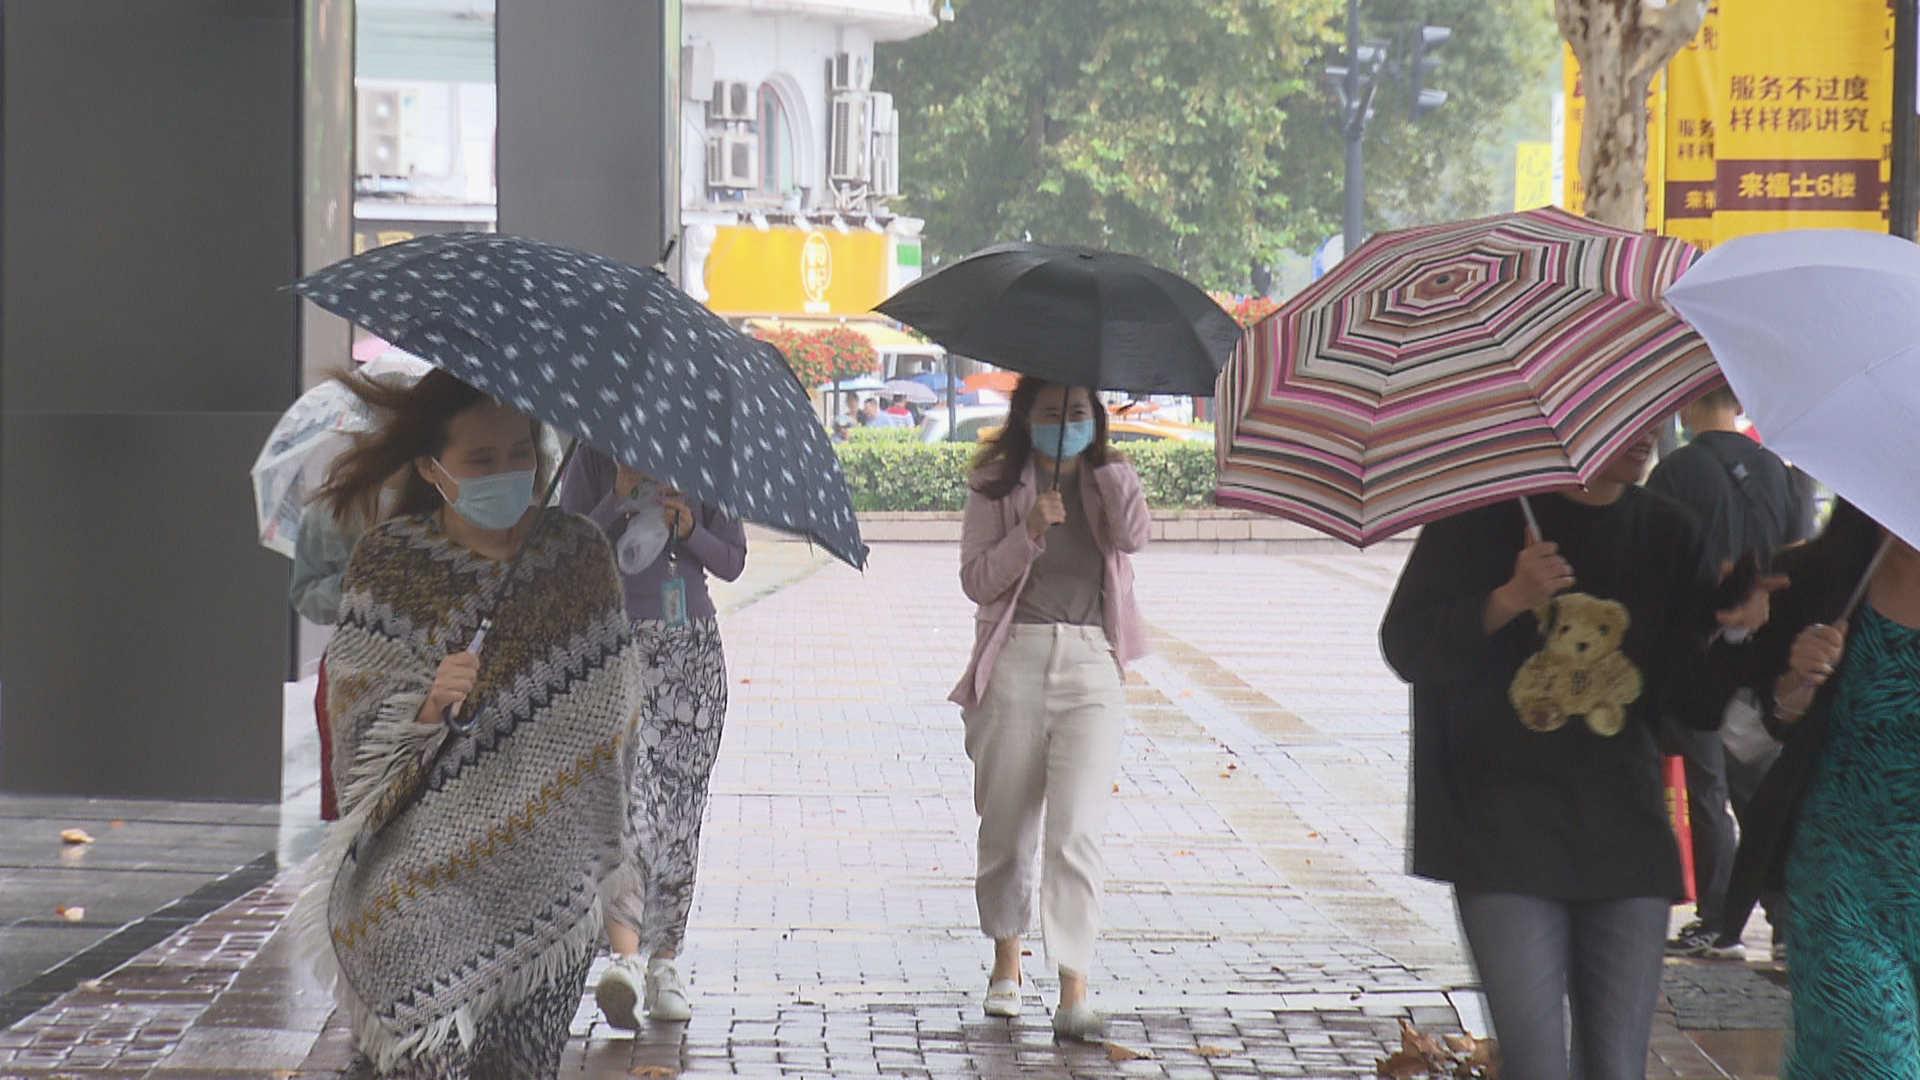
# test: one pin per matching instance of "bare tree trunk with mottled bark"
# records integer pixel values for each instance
(1621, 46)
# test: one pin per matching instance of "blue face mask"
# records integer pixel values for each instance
(494, 503)
(1079, 436)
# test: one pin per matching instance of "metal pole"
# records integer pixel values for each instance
(1354, 123)
(1903, 202)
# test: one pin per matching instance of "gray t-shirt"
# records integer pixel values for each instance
(1068, 579)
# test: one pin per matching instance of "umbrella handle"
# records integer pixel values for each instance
(1866, 579)
(1057, 451)
(451, 717)
(1533, 523)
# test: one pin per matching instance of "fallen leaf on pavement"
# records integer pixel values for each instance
(1182, 853)
(653, 1070)
(75, 836)
(116, 823)
(1231, 766)
(1403, 1066)
(1116, 789)
(1226, 776)
(91, 985)
(1431, 1047)
(71, 914)
(1212, 1051)
(1313, 836)
(1117, 1053)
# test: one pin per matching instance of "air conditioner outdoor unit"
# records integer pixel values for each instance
(851, 156)
(733, 161)
(849, 73)
(696, 72)
(731, 101)
(884, 122)
(377, 133)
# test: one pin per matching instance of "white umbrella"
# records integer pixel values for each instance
(1818, 332)
(916, 392)
(294, 461)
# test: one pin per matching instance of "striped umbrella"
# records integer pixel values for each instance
(1443, 368)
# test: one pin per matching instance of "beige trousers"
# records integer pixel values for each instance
(1045, 743)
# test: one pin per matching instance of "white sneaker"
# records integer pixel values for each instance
(1003, 999)
(1079, 1022)
(618, 992)
(667, 993)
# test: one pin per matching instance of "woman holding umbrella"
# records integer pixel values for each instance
(667, 547)
(1053, 515)
(457, 901)
(1837, 820)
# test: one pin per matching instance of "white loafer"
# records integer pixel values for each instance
(1003, 999)
(1079, 1022)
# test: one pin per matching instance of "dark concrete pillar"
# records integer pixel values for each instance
(589, 123)
(151, 215)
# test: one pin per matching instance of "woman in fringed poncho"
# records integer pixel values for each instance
(457, 898)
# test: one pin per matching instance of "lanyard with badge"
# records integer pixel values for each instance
(673, 590)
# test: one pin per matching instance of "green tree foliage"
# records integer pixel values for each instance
(1192, 132)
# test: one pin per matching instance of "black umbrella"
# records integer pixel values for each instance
(1077, 316)
(615, 355)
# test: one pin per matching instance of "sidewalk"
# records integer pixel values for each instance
(1258, 920)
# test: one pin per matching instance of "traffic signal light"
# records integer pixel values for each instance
(1424, 63)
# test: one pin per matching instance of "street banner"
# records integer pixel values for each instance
(1533, 174)
(1806, 95)
(1693, 120)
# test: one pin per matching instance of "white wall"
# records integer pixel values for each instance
(791, 50)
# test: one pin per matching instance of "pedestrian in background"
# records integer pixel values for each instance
(1740, 496)
(1540, 663)
(320, 554)
(667, 547)
(496, 847)
(1837, 820)
(1053, 516)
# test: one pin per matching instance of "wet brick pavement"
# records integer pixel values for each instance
(1258, 919)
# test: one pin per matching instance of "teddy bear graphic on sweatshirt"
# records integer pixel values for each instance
(1579, 670)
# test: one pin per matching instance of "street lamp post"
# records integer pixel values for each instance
(1357, 81)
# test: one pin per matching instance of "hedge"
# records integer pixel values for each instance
(890, 474)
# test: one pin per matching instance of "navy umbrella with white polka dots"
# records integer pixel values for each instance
(615, 355)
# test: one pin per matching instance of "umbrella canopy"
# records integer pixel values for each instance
(916, 392)
(865, 384)
(1073, 315)
(938, 381)
(617, 356)
(983, 397)
(1443, 368)
(1818, 331)
(321, 424)
(999, 381)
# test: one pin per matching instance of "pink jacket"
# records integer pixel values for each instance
(996, 555)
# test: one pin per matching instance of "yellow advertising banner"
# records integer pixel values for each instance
(786, 271)
(1532, 175)
(1806, 93)
(1575, 196)
(1692, 123)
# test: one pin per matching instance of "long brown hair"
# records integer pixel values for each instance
(1005, 456)
(415, 423)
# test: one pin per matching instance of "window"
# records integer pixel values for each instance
(777, 147)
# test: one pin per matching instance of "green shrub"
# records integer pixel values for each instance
(1176, 475)
(883, 434)
(901, 474)
(886, 473)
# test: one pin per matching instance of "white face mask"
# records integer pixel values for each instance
(494, 503)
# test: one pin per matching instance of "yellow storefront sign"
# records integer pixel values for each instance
(1806, 94)
(1533, 175)
(795, 271)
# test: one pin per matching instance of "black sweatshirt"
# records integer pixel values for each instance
(1568, 802)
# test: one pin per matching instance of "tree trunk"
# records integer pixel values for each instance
(1621, 46)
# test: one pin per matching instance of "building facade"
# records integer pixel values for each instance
(790, 157)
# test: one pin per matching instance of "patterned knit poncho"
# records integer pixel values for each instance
(465, 872)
